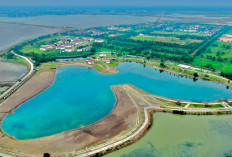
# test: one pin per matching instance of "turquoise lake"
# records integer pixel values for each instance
(81, 96)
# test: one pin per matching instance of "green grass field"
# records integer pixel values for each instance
(203, 106)
(173, 40)
(181, 33)
(217, 50)
(16, 60)
(170, 103)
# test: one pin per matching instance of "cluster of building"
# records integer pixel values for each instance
(113, 35)
(102, 56)
(107, 60)
(226, 38)
(89, 60)
(69, 45)
(122, 29)
(192, 29)
(96, 32)
(185, 67)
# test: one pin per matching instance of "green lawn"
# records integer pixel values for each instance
(216, 50)
(173, 40)
(29, 49)
(111, 50)
(170, 103)
(16, 60)
(203, 106)
(181, 33)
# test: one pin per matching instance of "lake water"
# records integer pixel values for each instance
(12, 34)
(183, 136)
(11, 72)
(81, 21)
(81, 96)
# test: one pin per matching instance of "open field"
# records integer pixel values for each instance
(181, 33)
(218, 55)
(174, 40)
(203, 106)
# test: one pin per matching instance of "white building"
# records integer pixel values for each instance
(229, 35)
(102, 55)
(69, 49)
(43, 49)
(183, 66)
(99, 40)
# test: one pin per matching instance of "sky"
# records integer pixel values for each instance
(116, 2)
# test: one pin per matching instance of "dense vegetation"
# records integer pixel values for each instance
(184, 43)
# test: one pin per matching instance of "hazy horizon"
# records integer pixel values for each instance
(152, 3)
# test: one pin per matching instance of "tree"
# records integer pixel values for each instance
(46, 155)
(162, 65)
(178, 103)
(93, 49)
(10, 56)
(195, 75)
